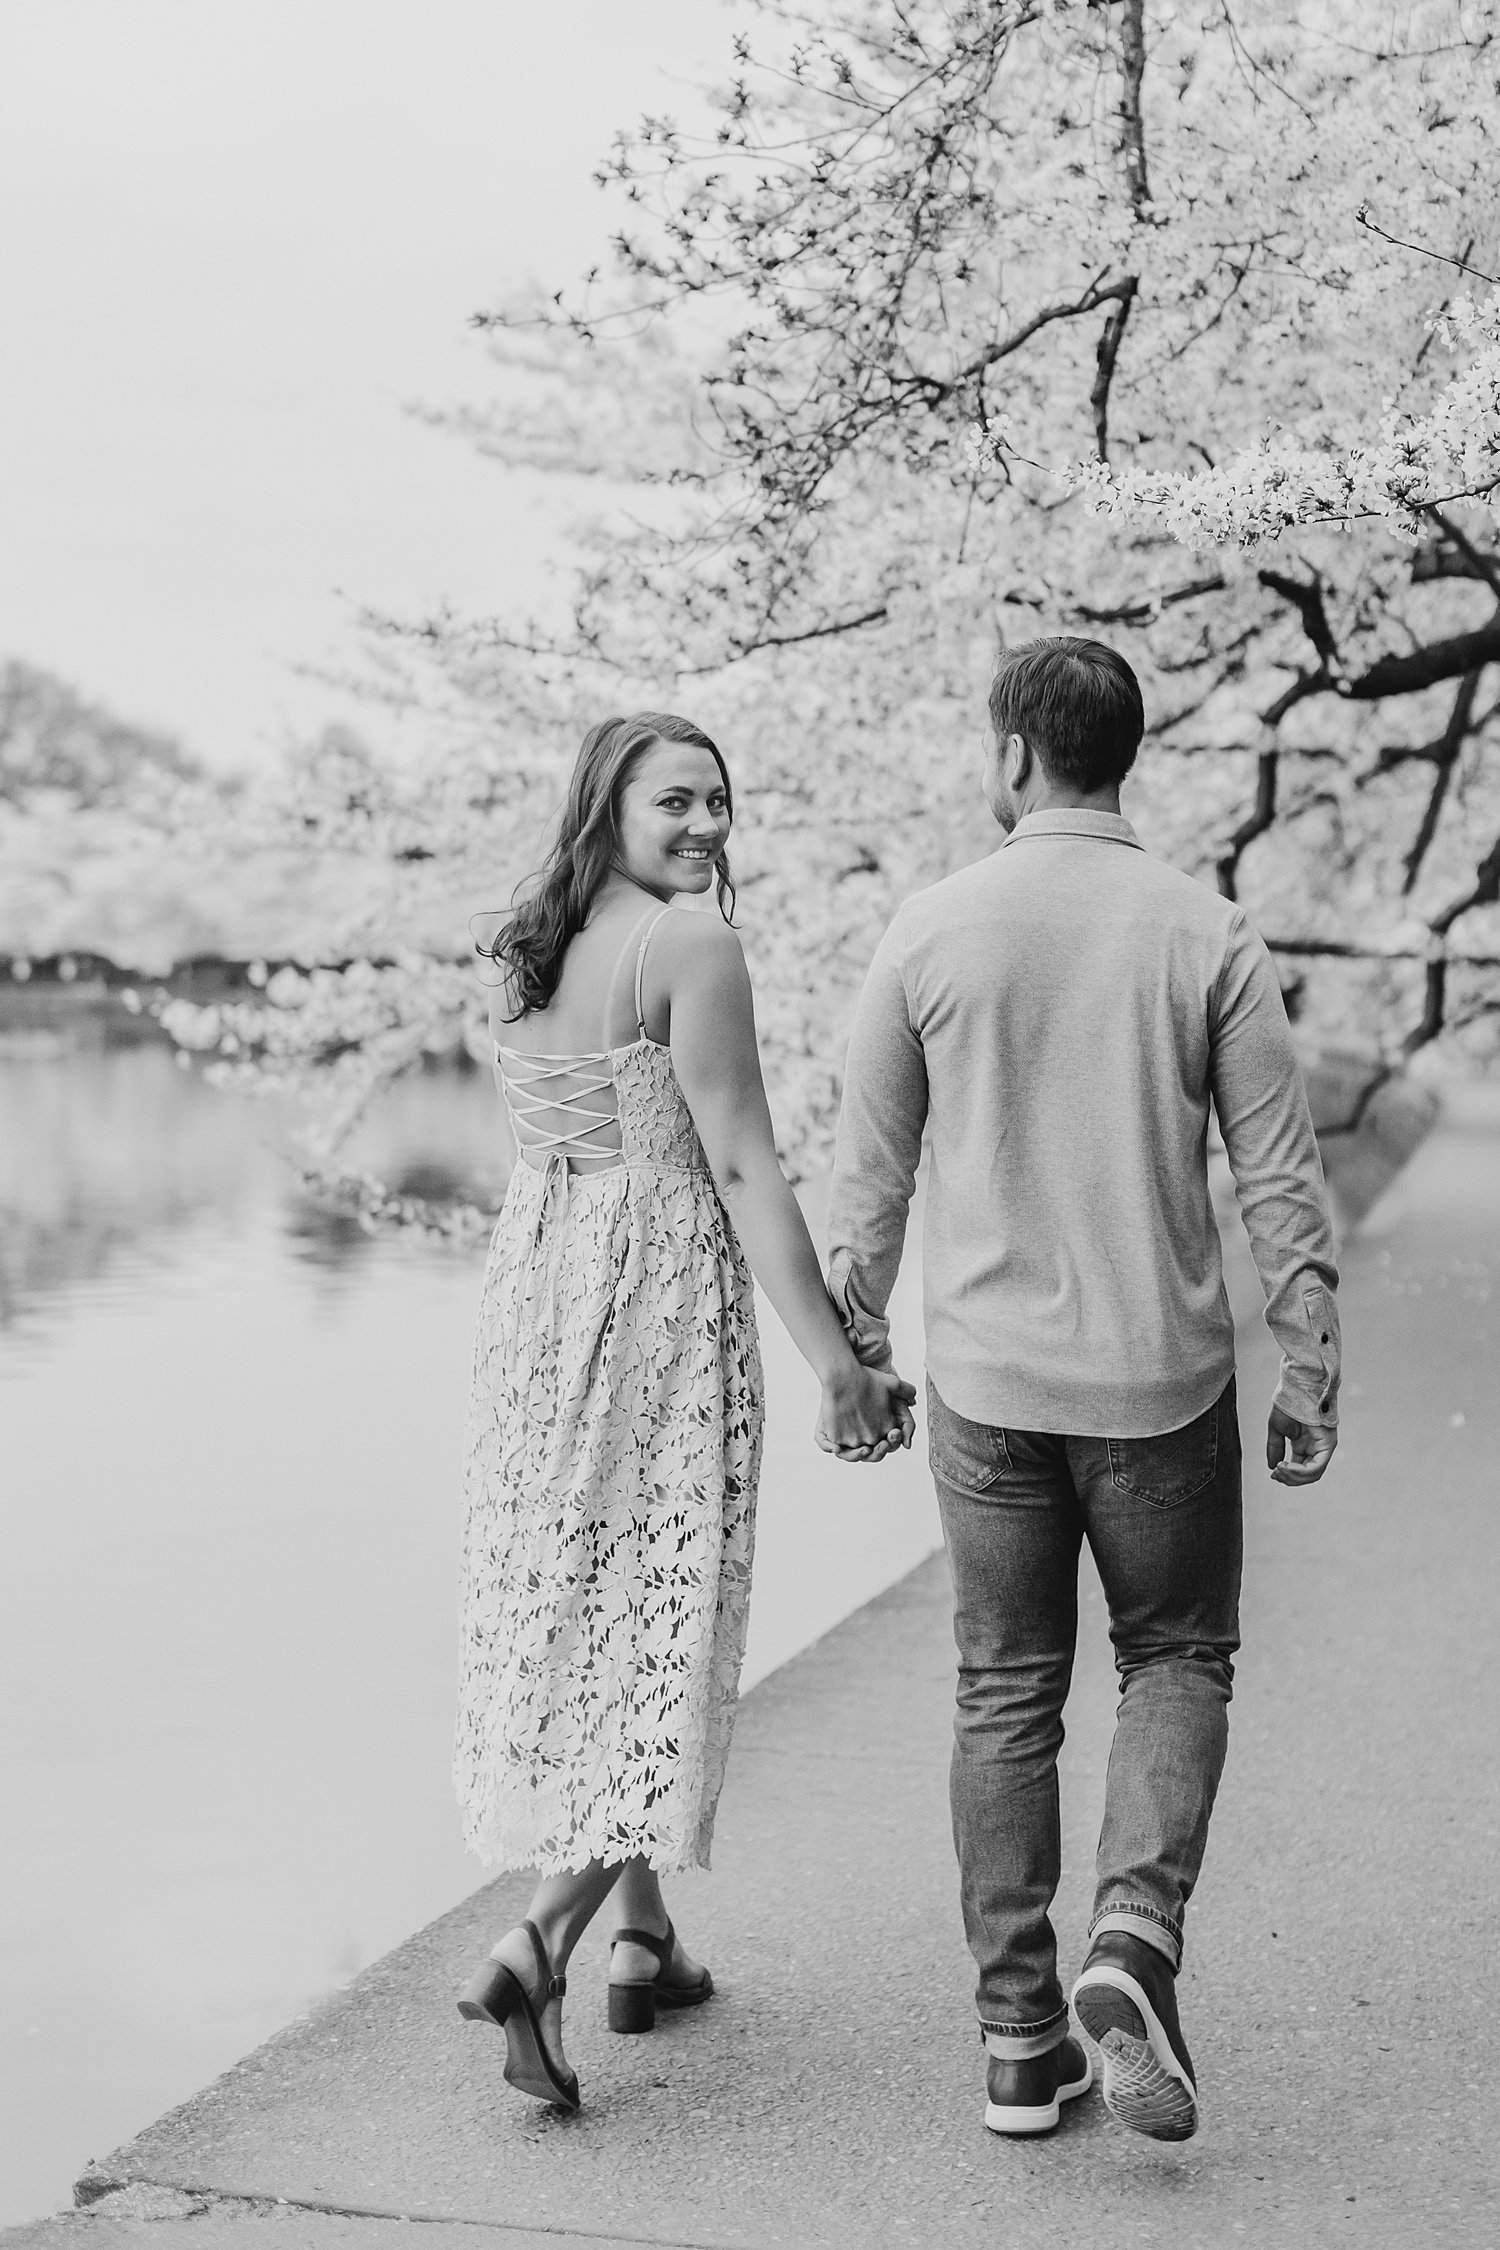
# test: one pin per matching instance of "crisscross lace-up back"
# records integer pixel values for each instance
(535, 1088)
(545, 1092)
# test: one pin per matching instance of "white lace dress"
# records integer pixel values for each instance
(612, 1456)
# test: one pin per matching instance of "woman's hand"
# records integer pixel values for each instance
(866, 1413)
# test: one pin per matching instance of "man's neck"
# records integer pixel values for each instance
(1049, 797)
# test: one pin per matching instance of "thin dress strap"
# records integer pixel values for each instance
(640, 971)
(638, 933)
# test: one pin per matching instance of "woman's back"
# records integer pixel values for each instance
(553, 1064)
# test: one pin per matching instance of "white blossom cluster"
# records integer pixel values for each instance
(1416, 462)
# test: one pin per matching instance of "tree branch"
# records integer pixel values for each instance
(1133, 139)
(1480, 565)
(1255, 825)
(1304, 685)
(1485, 892)
(1308, 602)
(1093, 297)
(1141, 612)
(790, 640)
(1438, 560)
(1444, 754)
(1397, 675)
(1434, 1008)
(1425, 667)
(1109, 352)
(1347, 949)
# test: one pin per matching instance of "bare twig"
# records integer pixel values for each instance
(1096, 294)
(755, 642)
(1245, 61)
(1362, 218)
(1426, 344)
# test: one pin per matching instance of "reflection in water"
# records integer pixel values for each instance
(229, 1452)
(100, 1152)
(106, 1154)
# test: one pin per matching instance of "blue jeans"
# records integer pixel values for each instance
(1162, 1516)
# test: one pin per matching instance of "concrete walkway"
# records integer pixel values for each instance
(1339, 1949)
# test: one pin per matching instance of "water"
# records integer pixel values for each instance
(229, 1445)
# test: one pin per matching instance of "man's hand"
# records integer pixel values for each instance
(1297, 1452)
(866, 1416)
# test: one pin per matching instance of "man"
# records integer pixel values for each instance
(1057, 1019)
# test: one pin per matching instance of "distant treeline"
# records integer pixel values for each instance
(200, 976)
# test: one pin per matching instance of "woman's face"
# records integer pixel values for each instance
(674, 819)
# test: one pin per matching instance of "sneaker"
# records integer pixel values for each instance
(1024, 2097)
(1126, 2000)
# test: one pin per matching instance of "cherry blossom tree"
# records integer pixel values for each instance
(965, 320)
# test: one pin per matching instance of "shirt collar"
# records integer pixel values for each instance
(1076, 820)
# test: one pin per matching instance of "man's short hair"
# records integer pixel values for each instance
(1076, 705)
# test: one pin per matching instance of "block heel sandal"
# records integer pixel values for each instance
(632, 2007)
(495, 1994)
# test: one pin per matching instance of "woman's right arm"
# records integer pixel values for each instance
(717, 1062)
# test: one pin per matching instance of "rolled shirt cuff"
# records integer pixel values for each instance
(869, 1332)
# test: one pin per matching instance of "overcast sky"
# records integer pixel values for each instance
(237, 237)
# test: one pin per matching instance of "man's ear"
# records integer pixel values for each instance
(1017, 766)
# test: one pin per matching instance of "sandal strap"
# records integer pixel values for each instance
(553, 1987)
(661, 1947)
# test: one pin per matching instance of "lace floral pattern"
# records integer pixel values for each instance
(612, 1455)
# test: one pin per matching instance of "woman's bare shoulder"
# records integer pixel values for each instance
(700, 950)
(693, 935)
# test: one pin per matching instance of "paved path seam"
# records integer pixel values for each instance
(209, 2198)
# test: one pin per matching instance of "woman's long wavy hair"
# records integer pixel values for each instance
(558, 898)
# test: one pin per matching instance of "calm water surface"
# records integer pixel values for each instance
(229, 1452)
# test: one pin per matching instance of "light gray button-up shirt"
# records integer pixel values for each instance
(1057, 1018)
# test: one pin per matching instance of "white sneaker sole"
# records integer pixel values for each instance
(1145, 2086)
(1008, 2117)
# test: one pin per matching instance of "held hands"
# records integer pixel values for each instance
(1297, 1452)
(866, 1413)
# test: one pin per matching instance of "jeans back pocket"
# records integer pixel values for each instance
(969, 1456)
(1169, 1470)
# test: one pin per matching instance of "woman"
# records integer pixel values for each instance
(615, 1418)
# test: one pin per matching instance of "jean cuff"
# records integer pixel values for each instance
(1018, 2042)
(1142, 1922)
